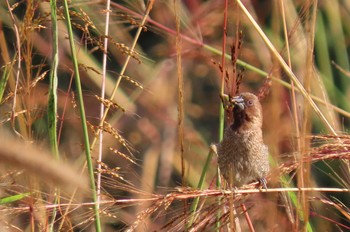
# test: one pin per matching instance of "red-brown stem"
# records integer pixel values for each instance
(224, 49)
(246, 215)
(64, 109)
(330, 220)
(235, 54)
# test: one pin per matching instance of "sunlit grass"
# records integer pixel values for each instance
(152, 178)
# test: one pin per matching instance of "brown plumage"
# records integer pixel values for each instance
(242, 155)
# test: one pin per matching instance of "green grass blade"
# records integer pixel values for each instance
(83, 118)
(52, 104)
(200, 186)
(14, 198)
(292, 195)
(3, 81)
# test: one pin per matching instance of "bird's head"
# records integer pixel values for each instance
(247, 112)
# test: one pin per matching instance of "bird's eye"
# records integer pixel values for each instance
(249, 103)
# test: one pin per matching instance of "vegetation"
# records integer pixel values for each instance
(109, 108)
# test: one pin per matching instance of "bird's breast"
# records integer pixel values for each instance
(238, 152)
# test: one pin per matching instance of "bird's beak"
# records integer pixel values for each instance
(238, 101)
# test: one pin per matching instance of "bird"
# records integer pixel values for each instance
(242, 154)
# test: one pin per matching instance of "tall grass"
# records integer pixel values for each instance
(165, 67)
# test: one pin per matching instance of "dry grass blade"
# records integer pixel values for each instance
(287, 69)
(39, 163)
(157, 59)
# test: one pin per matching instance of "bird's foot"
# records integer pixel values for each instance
(263, 183)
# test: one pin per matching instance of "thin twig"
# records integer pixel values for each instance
(126, 63)
(18, 45)
(286, 68)
(102, 106)
(180, 100)
(295, 111)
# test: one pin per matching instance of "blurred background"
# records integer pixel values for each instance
(141, 150)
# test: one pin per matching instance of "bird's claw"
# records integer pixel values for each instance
(263, 182)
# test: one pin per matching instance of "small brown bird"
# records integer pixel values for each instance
(242, 154)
